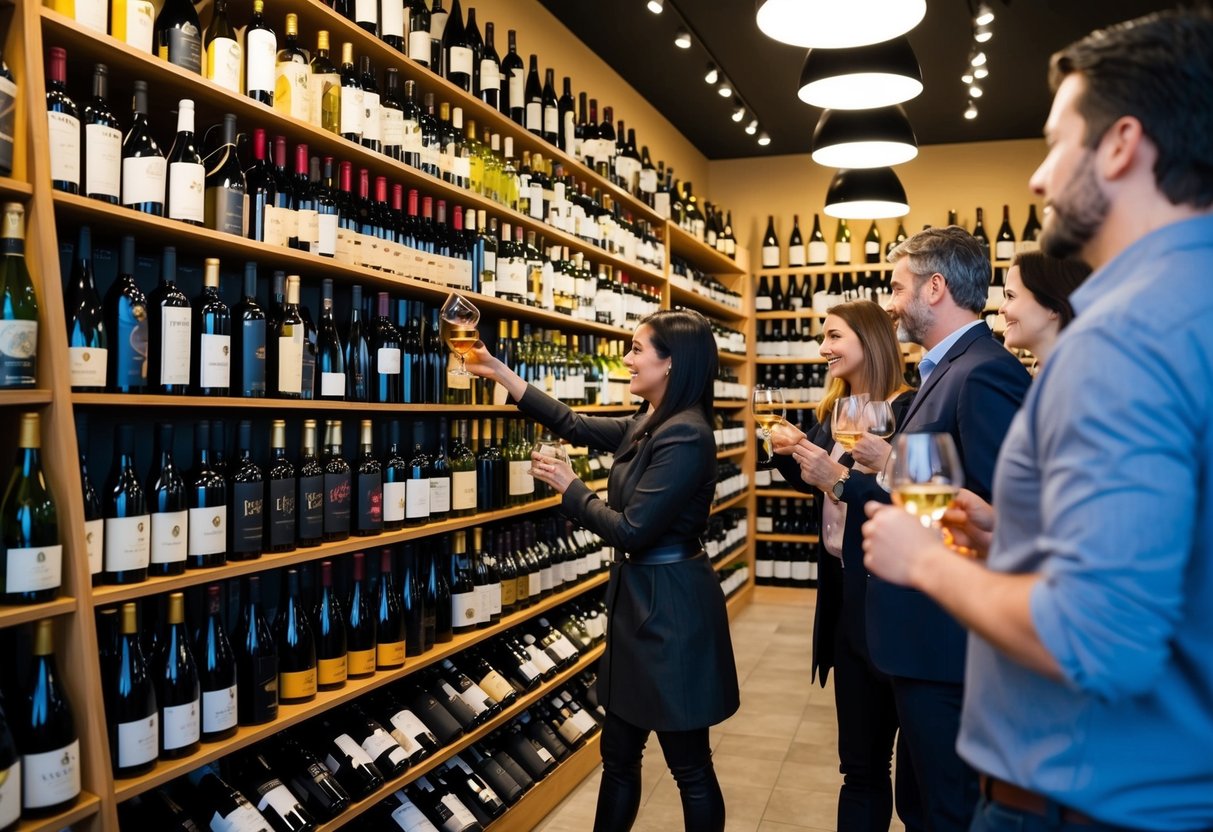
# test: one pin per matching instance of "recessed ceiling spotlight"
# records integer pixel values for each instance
(980, 72)
(712, 75)
(764, 139)
(682, 39)
(971, 111)
(655, 6)
(985, 15)
(976, 91)
(725, 90)
(981, 34)
(752, 127)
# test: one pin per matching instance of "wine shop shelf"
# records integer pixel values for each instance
(156, 231)
(784, 595)
(739, 599)
(780, 492)
(786, 538)
(730, 357)
(545, 795)
(731, 404)
(86, 806)
(10, 616)
(15, 189)
(738, 554)
(696, 252)
(729, 453)
(289, 715)
(449, 751)
(127, 64)
(785, 315)
(132, 399)
(114, 594)
(788, 360)
(732, 502)
(684, 297)
(25, 398)
(835, 268)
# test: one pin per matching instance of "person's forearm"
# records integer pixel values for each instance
(994, 605)
(514, 384)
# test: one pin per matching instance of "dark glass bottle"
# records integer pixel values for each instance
(42, 723)
(130, 703)
(281, 494)
(367, 486)
(169, 498)
(246, 490)
(208, 505)
(212, 337)
(169, 332)
(256, 660)
(389, 618)
(337, 485)
(216, 671)
(360, 634)
(309, 507)
(127, 522)
(248, 336)
(144, 170)
(177, 688)
(126, 324)
(357, 353)
(296, 645)
(329, 627)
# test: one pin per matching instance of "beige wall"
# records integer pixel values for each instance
(540, 32)
(960, 176)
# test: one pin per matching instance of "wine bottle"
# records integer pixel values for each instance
(86, 331)
(256, 660)
(464, 613)
(463, 475)
(309, 779)
(45, 733)
(419, 42)
(248, 349)
(457, 50)
(491, 472)
(328, 619)
(871, 244)
(255, 776)
(170, 320)
(352, 106)
(395, 477)
(211, 329)
(144, 169)
(94, 516)
(216, 672)
(482, 705)
(327, 218)
(472, 791)
(179, 35)
(389, 756)
(437, 596)
(296, 646)
(324, 88)
(31, 562)
(127, 524)
(260, 57)
(385, 386)
(177, 687)
(489, 71)
(842, 243)
(246, 487)
(770, 246)
(979, 234)
(207, 505)
(1031, 232)
(365, 13)
(19, 304)
(331, 355)
(231, 809)
(391, 112)
(417, 484)
(1004, 245)
(389, 618)
(63, 122)
(508, 784)
(186, 199)
(225, 186)
(261, 191)
(367, 505)
(360, 634)
(309, 506)
(166, 490)
(372, 126)
(132, 718)
(224, 55)
(417, 740)
(102, 142)
(126, 322)
(392, 19)
(345, 758)
(357, 353)
(440, 477)
(286, 347)
(337, 484)
(292, 74)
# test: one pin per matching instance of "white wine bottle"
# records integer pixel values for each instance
(19, 304)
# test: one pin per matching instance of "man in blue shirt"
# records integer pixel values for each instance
(1089, 687)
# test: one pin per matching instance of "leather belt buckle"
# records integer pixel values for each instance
(1031, 803)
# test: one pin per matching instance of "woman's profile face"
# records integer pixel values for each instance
(649, 370)
(1028, 323)
(841, 348)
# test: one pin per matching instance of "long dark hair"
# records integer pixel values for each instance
(1051, 281)
(684, 337)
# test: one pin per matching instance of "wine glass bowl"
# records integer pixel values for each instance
(880, 421)
(460, 318)
(549, 446)
(849, 421)
(924, 474)
(767, 405)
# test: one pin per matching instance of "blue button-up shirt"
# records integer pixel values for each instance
(1104, 488)
(934, 355)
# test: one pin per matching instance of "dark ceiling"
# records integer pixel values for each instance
(640, 46)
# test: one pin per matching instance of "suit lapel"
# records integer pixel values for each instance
(958, 349)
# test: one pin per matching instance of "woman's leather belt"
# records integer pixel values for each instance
(660, 555)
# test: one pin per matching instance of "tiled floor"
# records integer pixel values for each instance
(776, 758)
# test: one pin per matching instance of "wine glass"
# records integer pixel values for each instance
(551, 447)
(767, 405)
(924, 474)
(879, 415)
(459, 319)
(849, 420)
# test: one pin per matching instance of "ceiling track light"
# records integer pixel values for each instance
(978, 59)
(981, 34)
(725, 90)
(976, 91)
(970, 111)
(656, 6)
(981, 72)
(764, 139)
(712, 75)
(832, 25)
(682, 38)
(985, 14)
(967, 78)
(752, 127)
(738, 113)
(866, 194)
(880, 75)
(864, 138)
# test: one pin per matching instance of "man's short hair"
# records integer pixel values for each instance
(954, 253)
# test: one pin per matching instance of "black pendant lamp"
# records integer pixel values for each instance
(862, 78)
(866, 194)
(836, 25)
(864, 138)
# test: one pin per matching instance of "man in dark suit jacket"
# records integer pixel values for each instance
(971, 389)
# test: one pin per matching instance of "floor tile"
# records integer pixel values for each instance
(816, 810)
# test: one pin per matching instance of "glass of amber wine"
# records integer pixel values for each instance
(459, 320)
(551, 447)
(849, 420)
(768, 407)
(924, 475)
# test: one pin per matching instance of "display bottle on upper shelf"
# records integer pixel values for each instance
(19, 315)
(337, 485)
(144, 169)
(212, 335)
(166, 491)
(208, 505)
(979, 232)
(86, 331)
(185, 195)
(418, 41)
(770, 246)
(309, 505)
(513, 83)
(459, 59)
(248, 347)
(871, 244)
(31, 562)
(796, 248)
(291, 74)
(178, 692)
(224, 54)
(63, 122)
(179, 35)
(367, 485)
(818, 249)
(842, 244)
(225, 186)
(1031, 232)
(1004, 245)
(324, 87)
(246, 487)
(897, 240)
(260, 57)
(41, 720)
(285, 363)
(102, 142)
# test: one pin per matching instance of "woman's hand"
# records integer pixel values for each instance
(816, 467)
(557, 474)
(970, 521)
(871, 452)
(784, 438)
(479, 361)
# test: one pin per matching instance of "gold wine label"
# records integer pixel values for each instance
(361, 662)
(332, 671)
(297, 685)
(390, 654)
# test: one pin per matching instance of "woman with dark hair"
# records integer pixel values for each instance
(668, 665)
(1037, 307)
(860, 346)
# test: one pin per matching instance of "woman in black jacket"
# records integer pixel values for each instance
(668, 665)
(861, 347)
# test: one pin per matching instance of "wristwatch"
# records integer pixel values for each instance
(837, 488)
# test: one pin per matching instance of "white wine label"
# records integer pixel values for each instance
(570, 731)
(762, 303)
(409, 818)
(529, 669)
(381, 741)
(770, 257)
(186, 192)
(291, 90)
(170, 535)
(244, 818)
(127, 543)
(280, 799)
(181, 725)
(648, 180)
(463, 608)
(218, 709)
(391, 19)
(367, 11)
(842, 252)
(801, 571)
(94, 543)
(387, 361)
(138, 741)
(490, 74)
(262, 51)
(496, 686)
(102, 160)
(33, 569)
(143, 180)
(819, 253)
(332, 384)
(551, 120)
(223, 59)
(541, 659)
(783, 569)
(65, 147)
(134, 22)
(18, 338)
(517, 88)
(208, 530)
(175, 345)
(661, 203)
(464, 818)
(394, 501)
(350, 749)
(86, 365)
(463, 490)
(10, 795)
(372, 127)
(534, 115)
(50, 777)
(93, 14)
(409, 727)
(351, 110)
(521, 481)
(417, 498)
(764, 568)
(563, 647)
(440, 495)
(461, 166)
(459, 59)
(307, 228)
(419, 46)
(326, 235)
(290, 362)
(392, 126)
(216, 367)
(1004, 249)
(535, 586)
(411, 140)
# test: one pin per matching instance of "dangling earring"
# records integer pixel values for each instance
(667, 370)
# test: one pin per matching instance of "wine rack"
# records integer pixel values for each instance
(52, 215)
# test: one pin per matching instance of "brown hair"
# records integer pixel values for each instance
(882, 362)
(1051, 281)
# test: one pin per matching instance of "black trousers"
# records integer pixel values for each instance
(689, 756)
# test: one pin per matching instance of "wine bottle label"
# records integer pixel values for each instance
(175, 345)
(463, 818)
(1004, 249)
(370, 501)
(417, 498)
(496, 686)
(440, 495)
(181, 725)
(380, 742)
(102, 160)
(323, 92)
(361, 662)
(127, 545)
(389, 654)
(94, 541)
(490, 74)
(289, 371)
(534, 115)
(64, 147)
(225, 210)
(33, 569)
(134, 23)
(770, 257)
(311, 507)
(332, 384)
(584, 721)
(392, 127)
(459, 59)
(394, 496)
(352, 750)
(170, 536)
(291, 90)
(223, 59)
(326, 235)
(337, 491)
(244, 818)
(463, 490)
(332, 671)
(569, 731)
(207, 530)
(50, 777)
(801, 571)
(408, 730)
(387, 361)
(10, 794)
(262, 48)
(186, 197)
(275, 225)
(94, 14)
(248, 516)
(215, 367)
(299, 684)
(783, 569)
(391, 20)
(535, 584)
(218, 710)
(184, 47)
(351, 110)
(143, 180)
(367, 11)
(521, 481)
(419, 46)
(409, 818)
(278, 798)
(563, 647)
(540, 658)
(372, 126)
(463, 608)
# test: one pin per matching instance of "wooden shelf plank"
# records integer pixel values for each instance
(289, 715)
(797, 315)
(684, 297)
(730, 357)
(143, 400)
(14, 190)
(86, 806)
(787, 538)
(728, 453)
(115, 594)
(10, 616)
(828, 268)
(740, 599)
(33, 397)
(447, 752)
(697, 253)
(730, 404)
(731, 558)
(545, 795)
(780, 492)
(731, 502)
(789, 360)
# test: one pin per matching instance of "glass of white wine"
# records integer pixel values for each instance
(880, 421)
(924, 474)
(767, 405)
(459, 320)
(551, 447)
(849, 421)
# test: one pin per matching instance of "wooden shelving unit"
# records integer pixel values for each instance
(736, 556)
(11, 616)
(139, 400)
(14, 189)
(25, 398)
(779, 492)
(731, 453)
(732, 502)
(87, 807)
(787, 538)
(533, 806)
